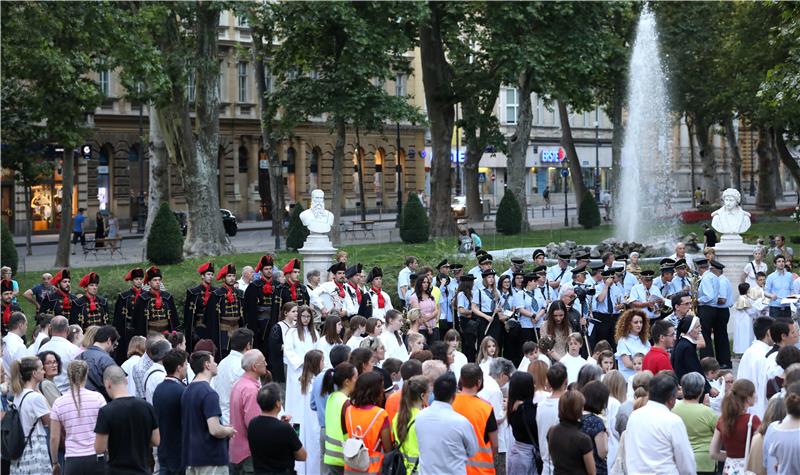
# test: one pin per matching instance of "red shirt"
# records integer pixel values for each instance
(655, 360)
(735, 443)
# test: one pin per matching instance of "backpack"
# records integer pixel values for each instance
(394, 461)
(356, 454)
(12, 437)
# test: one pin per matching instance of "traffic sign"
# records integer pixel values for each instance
(565, 172)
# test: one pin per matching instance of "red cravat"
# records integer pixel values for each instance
(267, 287)
(6, 313)
(206, 293)
(92, 304)
(358, 292)
(381, 300)
(230, 293)
(66, 303)
(157, 295)
(341, 289)
(293, 290)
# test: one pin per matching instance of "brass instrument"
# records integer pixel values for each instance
(695, 285)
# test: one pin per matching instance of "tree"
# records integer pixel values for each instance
(8, 248)
(509, 215)
(589, 213)
(297, 231)
(165, 246)
(334, 59)
(414, 226)
(51, 48)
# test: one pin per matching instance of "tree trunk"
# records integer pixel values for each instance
(360, 172)
(472, 158)
(736, 157)
(68, 180)
(159, 191)
(568, 143)
(267, 107)
(707, 160)
(439, 98)
(777, 183)
(765, 197)
(617, 138)
(788, 161)
(518, 145)
(338, 167)
(29, 218)
(690, 128)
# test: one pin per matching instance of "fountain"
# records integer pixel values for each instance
(647, 187)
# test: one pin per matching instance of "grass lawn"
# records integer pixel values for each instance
(388, 256)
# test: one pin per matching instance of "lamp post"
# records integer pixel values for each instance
(140, 220)
(564, 175)
(752, 163)
(397, 168)
(597, 155)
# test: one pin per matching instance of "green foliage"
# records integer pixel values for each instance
(509, 215)
(9, 251)
(414, 225)
(297, 232)
(589, 213)
(165, 241)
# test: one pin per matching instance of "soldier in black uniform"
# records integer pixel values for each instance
(292, 291)
(258, 302)
(58, 300)
(197, 308)
(154, 310)
(9, 306)
(89, 309)
(228, 310)
(123, 312)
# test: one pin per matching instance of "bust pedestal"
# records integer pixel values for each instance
(317, 252)
(734, 254)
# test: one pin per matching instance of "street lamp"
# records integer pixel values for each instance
(752, 163)
(564, 175)
(397, 168)
(140, 220)
(597, 155)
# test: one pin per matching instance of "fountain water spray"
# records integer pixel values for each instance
(647, 187)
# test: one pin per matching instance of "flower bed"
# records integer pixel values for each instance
(694, 216)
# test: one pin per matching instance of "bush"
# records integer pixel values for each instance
(165, 241)
(9, 257)
(589, 213)
(414, 224)
(509, 215)
(297, 233)
(691, 216)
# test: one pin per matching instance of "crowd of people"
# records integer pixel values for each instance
(596, 368)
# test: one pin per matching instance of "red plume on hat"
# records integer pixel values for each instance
(152, 273)
(265, 261)
(60, 275)
(291, 265)
(207, 267)
(90, 278)
(7, 286)
(226, 269)
(134, 273)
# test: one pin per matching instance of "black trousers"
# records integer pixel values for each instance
(604, 330)
(714, 323)
(430, 335)
(444, 326)
(497, 331)
(512, 349)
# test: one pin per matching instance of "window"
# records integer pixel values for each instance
(105, 83)
(242, 82)
(190, 86)
(512, 106)
(267, 79)
(221, 83)
(243, 159)
(241, 21)
(401, 85)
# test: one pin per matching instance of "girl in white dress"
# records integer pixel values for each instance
(329, 337)
(309, 424)
(391, 337)
(743, 313)
(453, 340)
(487, 354)
(299, 341)
(355, 332)
(755, 266)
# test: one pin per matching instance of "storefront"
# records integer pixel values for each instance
(45, 203)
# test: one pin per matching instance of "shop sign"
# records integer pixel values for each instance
(552, 155)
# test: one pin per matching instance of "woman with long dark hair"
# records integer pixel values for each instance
(735, 426)
(423, 300)
(522, 418)
(329, 336)
(413, 398)
(277, 337)
(465, 320)
(309, 424)
(557, 327)
(392, 337)
(298, 342)
(508, 336)
(446, 298)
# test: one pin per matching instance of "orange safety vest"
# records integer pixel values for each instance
(361, 419)
(477, 411)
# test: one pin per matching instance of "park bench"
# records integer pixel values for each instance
(351, 228)
(108, 246)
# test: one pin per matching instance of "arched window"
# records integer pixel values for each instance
(243, 156)
(103, 176)
(378, 176)
(313, 169)
(290, 166)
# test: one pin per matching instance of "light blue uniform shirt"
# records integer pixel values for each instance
(463, 301)
(446, 304)
(403, 281)
(615, 293)
(725, 292)
(555, 273)
(484, 299)
(641, 294)
(526, 300)
(446, 440)
(779, 284)
(628, 281)
(709, 289)
(678, 283)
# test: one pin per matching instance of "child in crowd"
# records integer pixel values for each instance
(711, 371)
(638, 359)
(743, 314)
(392, 366)
(416, 342)
(606, 361)
(573, 360)
(531, 351)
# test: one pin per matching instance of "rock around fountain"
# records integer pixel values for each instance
(317, 251)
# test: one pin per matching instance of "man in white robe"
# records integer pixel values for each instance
(753, 365)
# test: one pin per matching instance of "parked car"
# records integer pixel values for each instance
(228, 222)
(459, 206)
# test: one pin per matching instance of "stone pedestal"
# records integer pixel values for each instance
(734, 254)
(317, 252)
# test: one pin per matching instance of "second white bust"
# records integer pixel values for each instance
(731, 218)
(317, 219)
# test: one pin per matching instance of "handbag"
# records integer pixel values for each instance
(737, 466)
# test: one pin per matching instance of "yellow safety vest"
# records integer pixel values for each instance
(334, 434)
(410, 447)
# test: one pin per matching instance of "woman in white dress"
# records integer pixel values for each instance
(299, 341)
(487, 354)
(309, 424)
(329, 337)
(355, 332)
(392, 338)
(453, 340)
(754, 267)
(26, 374)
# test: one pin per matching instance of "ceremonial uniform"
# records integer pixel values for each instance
(331, 295)
(8, 307)
(55, 301)
(707, 294)
(198, 310)
(288, 292)
(154, 310)
(88, 310)
(354, 303)
(640, 293)
(380, 302)
(258, 303)
(123, 314)
(228, 311)
(605, 311)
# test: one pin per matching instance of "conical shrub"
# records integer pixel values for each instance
(509, 215)
(297, 232)
(165, 241)
(589, 213)
(414, 224)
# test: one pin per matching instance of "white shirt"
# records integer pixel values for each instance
(393, 349)
(546, 417)
(656, 442)
(229, 371)
(155, 375)
(459, 360)
(67, 352)
(377, 312)
(13, 350)
(128, 365)
(242, 284)
(34, 348)
(689, 261)
(753, 366)
(525, 362)
(574, 365)
(403, 280)
(492, 394)
(639, 293)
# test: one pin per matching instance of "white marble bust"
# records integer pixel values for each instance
(317, 219)
(731, 218)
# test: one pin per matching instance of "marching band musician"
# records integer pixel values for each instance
(123, 312)
(682, 280)
(646, 297)
(663, 281)
(258, 302)
(89, 309)
(628, 279)
(154, 310)
(561, 273)
(380, 301)
(227, 315)
(485, 262)
(197, 308)
(608, 305)
(58, 300)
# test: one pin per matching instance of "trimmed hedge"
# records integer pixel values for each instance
(509, 215)
(9, 251)
(589, 213)
(165, 241)
(297, 233)
(415, 227)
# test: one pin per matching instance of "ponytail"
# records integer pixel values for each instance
(22, 371)
(735, 403)
(335, 377)
(412, 393)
